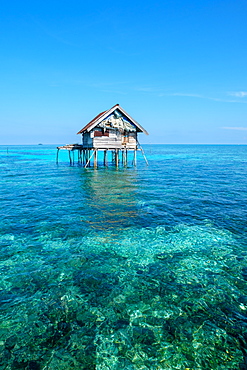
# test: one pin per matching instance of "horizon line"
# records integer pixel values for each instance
(43, 144)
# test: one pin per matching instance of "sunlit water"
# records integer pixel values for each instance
(129, 268)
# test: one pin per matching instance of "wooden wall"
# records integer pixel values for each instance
(112, 139)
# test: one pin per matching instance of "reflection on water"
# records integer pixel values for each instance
(110, 197)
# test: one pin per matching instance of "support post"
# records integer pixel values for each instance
(143, 153)
(95, 158)
(117, 157)
(134, 160)
(88, 161)
(105, 157)
(57, 156)
(144, 156)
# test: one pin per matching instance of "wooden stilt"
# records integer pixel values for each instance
(123, 157)
(144, 157)
(134, 160)
(105, 157)
(85, 155)
(143, 153)
(88, 161)
(95, 158)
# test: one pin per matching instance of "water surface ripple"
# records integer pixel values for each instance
(135, 268)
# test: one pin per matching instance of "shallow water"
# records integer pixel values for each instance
(135, 268)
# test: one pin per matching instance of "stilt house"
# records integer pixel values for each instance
(112, 129)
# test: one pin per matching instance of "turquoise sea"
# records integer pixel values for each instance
(124, 269)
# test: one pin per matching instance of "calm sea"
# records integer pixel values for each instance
(130, 268)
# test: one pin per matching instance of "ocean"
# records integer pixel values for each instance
(122, 269)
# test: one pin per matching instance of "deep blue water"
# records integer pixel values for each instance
(132, 268)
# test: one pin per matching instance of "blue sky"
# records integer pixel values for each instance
(179, 68)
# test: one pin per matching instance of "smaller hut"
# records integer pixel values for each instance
(113, 130)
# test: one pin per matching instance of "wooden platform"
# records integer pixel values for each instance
(86, 155)
(71, 147)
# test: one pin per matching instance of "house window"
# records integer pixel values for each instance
(98, 133)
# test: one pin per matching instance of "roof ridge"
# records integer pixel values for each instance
(96, 120)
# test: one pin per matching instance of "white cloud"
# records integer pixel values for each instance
(145, 89)
(210, 98)
(238, 94)
(189, 95)
(224, 99)
(235, 128)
